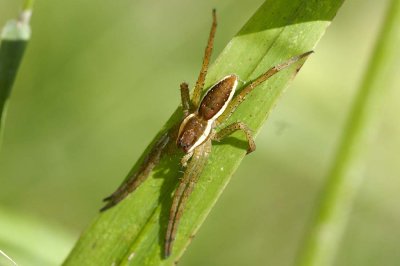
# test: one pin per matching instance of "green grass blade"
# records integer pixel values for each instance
(132, 233)
(347, 172)
(14, 38)
(28, 5)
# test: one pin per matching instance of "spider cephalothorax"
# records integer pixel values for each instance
(196, 133)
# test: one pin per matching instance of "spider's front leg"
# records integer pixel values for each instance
(137, 178)
(185, 159)
(226, 131)
(182, 193)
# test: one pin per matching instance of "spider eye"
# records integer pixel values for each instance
(185, 143)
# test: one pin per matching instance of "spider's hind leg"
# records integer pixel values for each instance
(240, 97)
(226, 131)
(204, 67)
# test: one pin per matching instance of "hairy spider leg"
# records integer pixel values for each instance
(185, 159)
(194, 167)
(185, 98)
(254, 83)
(183, 191)
(139, 176)
(206, 60)
(226, 131)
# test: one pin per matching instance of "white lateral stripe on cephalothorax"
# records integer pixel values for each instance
(184, 123)
(220, 112)
(203, 136)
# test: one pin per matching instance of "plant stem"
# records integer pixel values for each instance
(28, 5)
(346, 174)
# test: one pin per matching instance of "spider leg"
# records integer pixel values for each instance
(185, 98)
(206, 60)
(185, 188)
(226, 131)
(254, 83)
(186, 158)
(138, 177)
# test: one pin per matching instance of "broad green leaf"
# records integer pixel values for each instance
(132, 233)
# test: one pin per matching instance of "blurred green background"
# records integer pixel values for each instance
(98, 81)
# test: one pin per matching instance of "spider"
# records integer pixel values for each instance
(196, 132)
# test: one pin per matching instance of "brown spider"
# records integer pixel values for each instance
(196, 131)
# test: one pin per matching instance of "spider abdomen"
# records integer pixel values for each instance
(218, 97)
